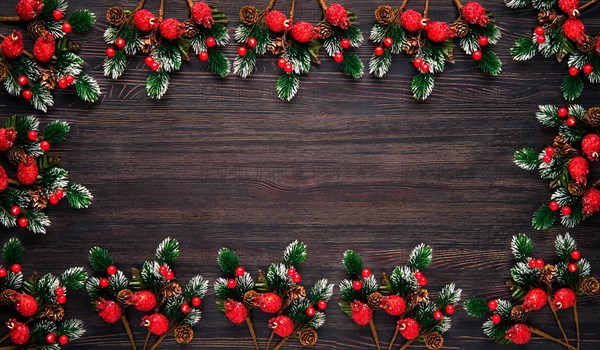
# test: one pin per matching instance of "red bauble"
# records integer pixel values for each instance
(573, 71)
(425, 68)
(296, 278)
(104, 283)
(310, 311)
(57, 15)
(276, 21)
(51, 337)
(322, 305)
(450, 309)
(574, 30)
(7, 138)
(171, 29)
(67, 27)
(378, 51)
(437, 315)
(251, 42)
(28, 10)
(590, 146)
(550, 151)
(110, 52)
(496, 319)
(108, 310)
(474, 13)
(591, 201)
(579, 169)
(563, 112)
(25, 304)
(422, 281)
(588, 68)
(283, 326)
(477, 55)
(492, 305)
(12, 45)
(554, 207)
(365, 273)
(566, 210)
(575, 255)
(44, 47)
(23, 222)
(572, 268)
(571, 121)
(120, 42)
(361, 313)
(304, 32)
(157, 323)
(357, 285)
(564, 298)
(535, 299)
(345, 43)
(63, 339)
(185, 308)
(337, 15)
(568, 6)
(539, 263)
(240, 271)
(16, 268)
(15, 210)
(242, 51)
(45, 145)
(388, 42)
(18, 332)
(202, 14)
(143, 300)
(111, 270)
(393, 305)
(23, 80)
(2, 272)
(411, 20)
(338, 57)
(231, 283)
(483, 41)
(409, 328)
(438, 32)
(235, 311)
(269, 303)
(519, 334)
(27, 172)
(196, 301)
(145, 20)
(203, 56)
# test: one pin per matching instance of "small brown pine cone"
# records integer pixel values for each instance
(148, 44)
(421, 296)
(410, 45)
(16, 155)
(374, 301)
(587, 45)
(547, 17)
(518, 314)
(434, 341)
(548, 274)
(576, 189)
(276, 47)
(54, 313)
(38, 200)
(460, 27)
(123, 297)
(248, 15)
(250, 299)
(308, 337)
(47, 79)
(6, 297)
(384, 15)
(183, 334)
(172, 289)
(36, 29)
(191, 29)
(589, 286)
(297, 292)
(116, 16)
(592, 116)
(325, 30)
(3, 71)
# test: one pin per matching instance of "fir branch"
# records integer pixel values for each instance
(299, 58)
(167, 251)
(521, 247)
(527, 158)
(490, 63)
(572, 87)
(543, 218)
(322, 290)
(115, 66)
(548, 116)
(287, 86)
(422, 85)
(72, 328)
(352, 262)
(38, 221)
(42, 99)
(524, 49)
(403, 280)
(13, 252)
(56, 132)
(168, 57)
(476, 307)
(100, 259)
(87, 88)
(244, 65)
(196, 287)
(218, 64)
(420, 257)
(380, 65)
(278, 279)
(564, 245)
(228, 260)
(78, 196)
(449, 295)
(82, 21)
(352, 66)
(157, 84)
(294, 254)
(74, 278)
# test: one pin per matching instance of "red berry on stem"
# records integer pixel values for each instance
(111, 270)
(540, 30)
(169, 275)
(546, 159)
(53, 199)
(62, 83)
(540, 39)
(2, 272)
(70, 79)
(310, 311)
(357, 285)
(240, 271)
(61, 299)
(110, 52)
(155, 66)
(66, 27)
(27, 94)
(572, 268)
(23, 80)
(496, 319)
(425, 68)
(162, 270)
(437, 315)
(477, 55)
(210, 41)
(296, 277)
(345, 43)
(388, 42)
(417, 62)
(15, 210)
(63, 340)
(185, 308)
(566, 210)
(252, 42)
(59, 291)
(450, 309)
(483, 41)
(575, 255)
(338, 57)
(203, 56)
(531, 262)
(571, 121)
(550, 151)
(281, 64)
(120, 43)
(539, 263)
(492, 305)
(104, 283)
(57, 14)
(366, 273)
(322, 305)
(16, 268)
(231, 283)
(32, 135)
(50, 338)
(422, 281)
(573, 71)
(242, 51)
(563, 112)
(554, 207)
(196, 301)
(45, 145)
(378, 51)
(149, 60)
(587, 69)
(23, 222)
(288, 68)
(418, 275)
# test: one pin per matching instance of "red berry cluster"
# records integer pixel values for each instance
(151, 63)
(166, 272)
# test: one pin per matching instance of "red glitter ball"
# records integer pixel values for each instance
(575, 30)
(202, 14)
(409, 328)
(591, 201)
(171, 29)
(518, 334)
(28, 10)
(590, 146)
(235, 311)
(145, 20)
(394, 305)
(361, 313)
(12, 45)
(337, 15)
(535, 299)
(283, 326)
(579, 169)
(411, 20)
(44, 47)
(564, 298)
(304, 32)
(439, 32)
(474, 13)
(108, 310)
(276, 21)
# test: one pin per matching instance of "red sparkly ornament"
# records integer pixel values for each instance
(474, 13)
(574, 30)
(44, 47)
(27, 171)
(283, 326)
(12, 45)
(564, 298)
(304, 32)
(157, 323)
(145, 20)
(591, 201)
(108, 310)
(579, 169)
(171, 29)
(393, 305)
(568, 6)
(7, 138)
(411, 20)
(143, 300)
(409, 328)
(4, 181)
(18, 332)
(590, 146)
(269, 302)
(202, 14)
(276, 21)
(25, 304)
(361, 313)
(535, 299)
(439, 32)
(28, 10)
(518, 334)
(235, 311)
(337, 15)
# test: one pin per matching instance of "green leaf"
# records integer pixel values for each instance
(449, 295)
(352, 66)
(72, 328)
(543, 218)
(527, 158)
(564, 245)
(477, 307)
(167, 251)
(517, 4)
(422, 85)
(157, 84)
(563, 197)
(218, 64)
(100, 259)
(228, 260)
(42, 99)
(403, 280)
(434, 56)
(322, 290)
(167, 56)
(353, 263)
(572, 87)
(87, 88)
(129, 33)
(287, 86)
(278, 279)
(380, 65)
(490, 63)
(259, 32)
(196, 287)
(78, 196)
(12, 252)
(420, 257)
(299, 58)
(82, 21)
(68, 63)
(115, 66)
(548, 116)
(575, 217)
(38, 221)
(244, 65)
(521, 247)
(74, 278)
(219, 32)
(56, 132)
(295, 254)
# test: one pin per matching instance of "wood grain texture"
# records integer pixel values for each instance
(347, 164)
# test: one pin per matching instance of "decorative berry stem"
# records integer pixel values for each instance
(139, 6)
(426, 10)
(9, 347)
(403, 6)
(190, 4)
(147, 340)
(587, 4)
(128, 330)
(11, 19)
(292, 11)
(560, 326)
(270, 339)
(393, 338)
(406, 345)
(551, 338)
(374, 332)
(576, 317)
(323, 5)
(270, 6)
(252, 332)
(458, 4)
(280, 344)
(158, 341)
(161, 10)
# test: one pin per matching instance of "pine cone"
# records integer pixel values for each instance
(297, 292)
(548, 274)
(36, 29)
(589, 286)
(374, 301)
(172, 289)
(384, 15)
(248, 15)
(410, 45)
(518, 314)
(546, 17)
(421, 296)
(116, 16)
(123, 297)
(148, 44)
(276, 47)
(308, 337)
(325, 30)
(592, 116)
(434, 341)
(47, 79)
(575, 189)
(587, 45)
(3, 71)
(6, 297)
(54, 313)
(183, 334)
(38, 200)
(460, 27)
(15, 155)
(250, 299)
(191, 29)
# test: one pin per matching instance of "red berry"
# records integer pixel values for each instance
(539, 263)
(32, 135)
(210, 41)
(242, 51)
(111, 270)
(120, 42)
(2, 272)
(310, 311)
(483, 41)
(378, 51)
(531, 262)
(573, 71)
(477, 55)
(322, 305)
(110, 52)
(291, 271)
(281, 64)
(62, 83)
(422, 281)
(70, 79)
(357, 285)
(425, 68)
(418, 275)
(496, 319)
(169, 275)
(59, 192)
(59, 291)
(572, 268)
(240, 271)
(571, 121)
(203, 56)
(563, 112)
(366, 273)
(550, 151)
(437, 315)
(417, 62)
(540, 39)
(45, 145)
(566, 210)
(185, 308)
(66, 27)
(16, 268)
(155, 66)
(23, 80)
(546, 159)
(53, 199)
(388, 42)
(15, 210)
(27, 94)
(540, 30)
(345, 43)
(58, 15)
(149, 60)
(162, 270)
(492, 305)
(196, 301)
(338, 57)
(50, 338)
(296, 277)
(575, 255)
(587, 69)
(288, 68)
(63, 339)
(450, 309)
(23, 222)
(231, 283)
(251, 42)
(104, 283)
(553, 206)
(61, 299)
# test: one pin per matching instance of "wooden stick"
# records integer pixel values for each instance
(560, 326)
(252, 332)
(458, 4)
(587, 4)
(147, 340)
(576, 317)
(374, 332)
(393, 339)
(190, 4)
(11, 19)
(426, 10)
(551, 338)
(270, 339)
(128, 330)
(9, 347)
(406, 345)
(292, 11)
(280, 344)
(323, 5)
(161, 10)
(158, 341)
(403, 6)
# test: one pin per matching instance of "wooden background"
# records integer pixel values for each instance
(347, 164)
